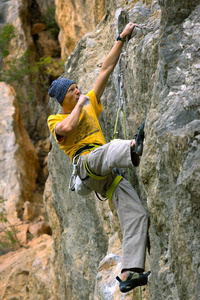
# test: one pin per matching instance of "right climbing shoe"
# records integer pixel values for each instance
(139, 140)
(133, 280)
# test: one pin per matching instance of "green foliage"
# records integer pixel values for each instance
(3, 213)
(15, 71)
(8, 231)
(49, 19)
(6, 35)
(40, 72)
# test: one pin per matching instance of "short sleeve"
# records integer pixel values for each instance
(97, 105)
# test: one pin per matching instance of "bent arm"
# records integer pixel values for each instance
(65, 127)
(111, 61)
(70, 123)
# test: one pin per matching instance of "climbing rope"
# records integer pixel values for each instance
(121, 103)
(121, 109)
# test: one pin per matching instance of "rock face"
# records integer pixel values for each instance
(27, 271)
(75, 19)
(33, 37)
(19, 163)
(30, 271)
(160, 68)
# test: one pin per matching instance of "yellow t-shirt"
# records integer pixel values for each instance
(88, 130)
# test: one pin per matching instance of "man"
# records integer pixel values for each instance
(79, 135)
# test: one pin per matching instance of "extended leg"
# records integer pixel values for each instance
(133, 219)
(134, 223)
(116, 154)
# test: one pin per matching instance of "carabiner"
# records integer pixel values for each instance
(72, 180)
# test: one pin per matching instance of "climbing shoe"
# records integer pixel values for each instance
(139, 140)
(133, 280)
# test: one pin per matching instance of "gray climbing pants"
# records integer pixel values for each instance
(132, 215)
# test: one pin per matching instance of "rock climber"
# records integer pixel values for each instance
(78, 133)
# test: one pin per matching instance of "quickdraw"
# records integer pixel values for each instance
(74, 174)
(72, 180)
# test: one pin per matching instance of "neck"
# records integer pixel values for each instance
(66, 110)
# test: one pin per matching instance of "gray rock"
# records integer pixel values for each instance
(161, 85)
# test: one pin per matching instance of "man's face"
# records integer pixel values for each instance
(71, 97)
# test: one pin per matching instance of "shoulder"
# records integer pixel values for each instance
(58, 117)
(53, 120)
(97, 105)
(92, 95)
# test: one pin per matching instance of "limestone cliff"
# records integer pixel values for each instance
(28, 265)
(160, 67)
(75, 18)
(18, 155)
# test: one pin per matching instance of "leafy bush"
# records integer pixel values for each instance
(15, 71)
(49, 19)
(8, 232)
(40, 71)
(6, 35)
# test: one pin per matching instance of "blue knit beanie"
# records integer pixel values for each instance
(59, 88)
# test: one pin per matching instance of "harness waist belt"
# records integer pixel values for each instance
(86, 147)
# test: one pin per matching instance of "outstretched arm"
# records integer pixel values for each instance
(111, 61)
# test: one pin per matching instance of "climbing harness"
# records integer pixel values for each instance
(113, 186)
(92, 175)
(85, 148)
(76, 183)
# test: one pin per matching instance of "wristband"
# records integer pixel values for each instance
(120, 39)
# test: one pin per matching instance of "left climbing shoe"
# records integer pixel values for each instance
(133, 280)
(139, 140)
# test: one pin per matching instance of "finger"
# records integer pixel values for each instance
(136, 25)
(133, 24)
(133, 143)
